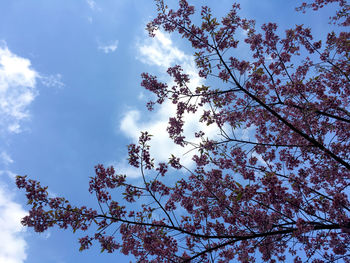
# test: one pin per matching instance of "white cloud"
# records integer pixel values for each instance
(161, 145)
(109, 47)
(123, 167)
(5, 158)
(17, 89)
(12, 245)
(18, 81)
(92, 4)
(161, 52)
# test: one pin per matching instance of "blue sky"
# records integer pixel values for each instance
(70, 98)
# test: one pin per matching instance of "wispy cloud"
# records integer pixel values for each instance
(54, 81)
(108, 47)
(5, 158)
(17, 89)
(92, 4)
(162, 53)
(12, 245)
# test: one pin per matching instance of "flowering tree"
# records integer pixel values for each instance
(282, 192)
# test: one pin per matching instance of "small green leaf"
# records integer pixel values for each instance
(239, 196)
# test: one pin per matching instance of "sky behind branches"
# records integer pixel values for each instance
(70, 98)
